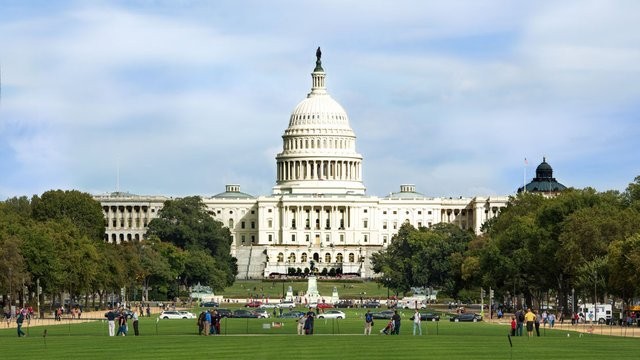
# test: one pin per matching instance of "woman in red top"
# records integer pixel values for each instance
(513, 326)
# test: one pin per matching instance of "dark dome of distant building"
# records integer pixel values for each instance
(544, 182)
(233, 192)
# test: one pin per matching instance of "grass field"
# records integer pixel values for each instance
(333, 339)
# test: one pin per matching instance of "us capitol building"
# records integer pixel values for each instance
(318, 209)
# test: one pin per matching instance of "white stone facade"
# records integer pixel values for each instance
(318, 209)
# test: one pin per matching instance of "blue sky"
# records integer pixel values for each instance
(183, 97)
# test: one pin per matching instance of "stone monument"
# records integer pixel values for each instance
(313, 296)
(289, 296)
(334, 296)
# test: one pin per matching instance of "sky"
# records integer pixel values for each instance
(179, 98)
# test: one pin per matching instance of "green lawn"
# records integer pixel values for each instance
(334, 339)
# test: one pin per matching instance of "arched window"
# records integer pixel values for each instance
(352, 258)
(280, 257)
(303, 257)
(292, 258)
(230, 223)
(339, 257)
(327, 258)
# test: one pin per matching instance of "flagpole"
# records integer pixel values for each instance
(524, 177)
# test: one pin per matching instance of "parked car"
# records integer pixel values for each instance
(332, 314)
(287, 305)
(268, 306)
(253, 304)
(241, 313)
(292, 315)
(466, 317)
(371, 304)
(225, 313)
(174, 314)
(344, 304)
(386, 314)
(428, 317)
(262, 313)
(209, 304)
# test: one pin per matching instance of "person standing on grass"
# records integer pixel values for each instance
(417, 322)
(308, 324)
(513, 326)
(135, 322)
(396, 322)
(19, 320)
(529, 317)
(301, 322)
(519, 322)
(368, 322)
(551, 319)
(201, 322)
(111, 317)
(207, 323)
(122, 322)
(536, 323)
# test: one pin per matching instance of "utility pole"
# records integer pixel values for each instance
(482, 293)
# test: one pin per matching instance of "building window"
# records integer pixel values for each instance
(395, 225)
(253, 211)
(293, 237)
(270, 222)
(384, 225)
(306, 224)
(242, 238)
(384, 212)
(317, 224)
(365, 211)
(242, 225)
(328, 224)
(218, 212)
(327, 258)
(293, 223)
(394, 212)
(280, 257)
(341, 237)
(269, 210)
(292, 258)
(270, 238)
(307, 237)
(365, 238)
(327, 238)
(365, 224)
(352, 257)
(419, 212)
(253, 224)
(253, 239)
(429, 212)
(419, 224)
(384, 239)
(230, 212)
(341, 224)
(303, 257)
(230, 223)
(339, 257)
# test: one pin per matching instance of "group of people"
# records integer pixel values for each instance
(392, 327)
(530, 318)
(305, 323)
(121, 316)
(209, 323)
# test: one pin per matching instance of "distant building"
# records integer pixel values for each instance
(544, 182)
(318, 210)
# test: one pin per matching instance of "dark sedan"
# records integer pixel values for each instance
(371, 304)
(386, 314)
(244, 314)
(466, 317)
(428, 317)
(292, 315)
(209, 304)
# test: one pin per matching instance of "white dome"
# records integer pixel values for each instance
(319, 111)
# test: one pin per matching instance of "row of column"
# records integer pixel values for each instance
(319, 170)
(338, 216)
(316, 143)
(133, 217)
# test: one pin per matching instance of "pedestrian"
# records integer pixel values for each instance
(111, 317)
(513, 326)
(19, 320)
(536, 323)
(368, 322)
(122, 324)
(519, 322)
(148, 310)
(551, 319)
(396, 322)
(207, 323)
(529, 317)
(417, 323)
(135, 323)
(308, 323)
(301, 322)
(200, 322)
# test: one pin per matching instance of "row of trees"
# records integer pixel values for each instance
(580, 241)
(56, 240)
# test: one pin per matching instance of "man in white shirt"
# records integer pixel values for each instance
(416, 323)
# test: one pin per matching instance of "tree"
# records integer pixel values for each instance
(186, 224)
(80, 208)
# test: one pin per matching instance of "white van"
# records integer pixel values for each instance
(601, 312)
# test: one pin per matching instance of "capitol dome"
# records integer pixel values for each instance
(318, 152)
